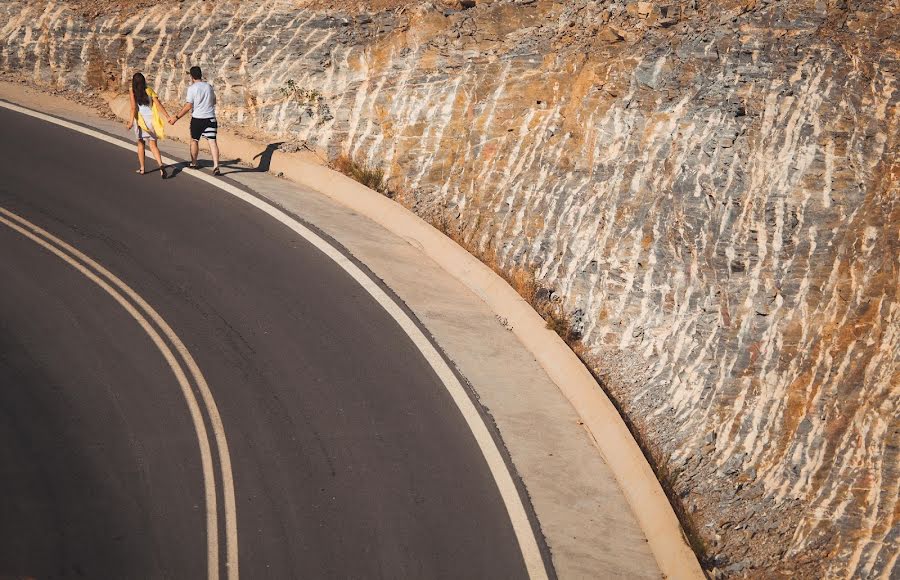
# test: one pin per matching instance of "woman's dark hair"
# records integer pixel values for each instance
(139, 87)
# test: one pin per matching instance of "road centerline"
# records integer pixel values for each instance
(115, 287)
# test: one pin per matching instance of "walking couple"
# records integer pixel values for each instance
(147, 113)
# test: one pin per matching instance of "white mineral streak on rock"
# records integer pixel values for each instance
(721, 206)
(361, 95)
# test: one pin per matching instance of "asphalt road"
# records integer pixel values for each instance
(349, 458)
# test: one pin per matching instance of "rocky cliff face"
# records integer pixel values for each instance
(713, 190)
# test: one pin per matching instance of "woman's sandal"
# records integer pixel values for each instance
(216, 171)
(162, 172)
(193, 166)
(139, 171)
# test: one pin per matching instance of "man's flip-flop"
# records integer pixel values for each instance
(192, 166)
(139, 171)
(216, 171)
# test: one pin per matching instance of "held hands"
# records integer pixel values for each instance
(173, 120)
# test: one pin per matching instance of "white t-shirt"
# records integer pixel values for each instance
(202, 97)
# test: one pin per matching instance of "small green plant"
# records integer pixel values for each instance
(311, 101)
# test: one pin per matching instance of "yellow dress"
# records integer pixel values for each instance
(159, 127)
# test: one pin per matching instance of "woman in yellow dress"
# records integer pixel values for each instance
(147, 113)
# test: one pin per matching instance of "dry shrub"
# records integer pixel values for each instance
(544, 301)
(524, 282)
(558, 321)
(371, 177)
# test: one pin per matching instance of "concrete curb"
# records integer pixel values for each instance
(612, 437)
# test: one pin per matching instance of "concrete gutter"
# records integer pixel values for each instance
(618, 448)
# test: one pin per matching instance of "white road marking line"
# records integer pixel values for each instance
(518, 516)
(59, 248)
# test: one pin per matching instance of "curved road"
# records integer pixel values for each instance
(349, 457)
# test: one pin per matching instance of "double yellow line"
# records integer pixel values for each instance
(182, 366)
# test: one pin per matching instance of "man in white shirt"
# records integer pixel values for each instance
(201, 103)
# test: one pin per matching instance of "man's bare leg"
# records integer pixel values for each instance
(195, 151)
(214, 149)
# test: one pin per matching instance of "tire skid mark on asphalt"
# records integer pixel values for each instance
(140, 311)
(512, 500)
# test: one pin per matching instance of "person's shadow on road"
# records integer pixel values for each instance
(265, 161)
(232, 165)
(177, 168)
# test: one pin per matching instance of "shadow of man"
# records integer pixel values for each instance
(265, 161)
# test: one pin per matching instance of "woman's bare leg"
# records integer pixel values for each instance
(141, 154)
(154, 148)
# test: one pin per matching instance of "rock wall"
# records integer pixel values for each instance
(713, 190)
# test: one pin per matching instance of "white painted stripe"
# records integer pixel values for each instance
(58, 247)
(515, 508)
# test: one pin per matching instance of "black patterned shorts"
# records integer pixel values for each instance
(203, 128)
